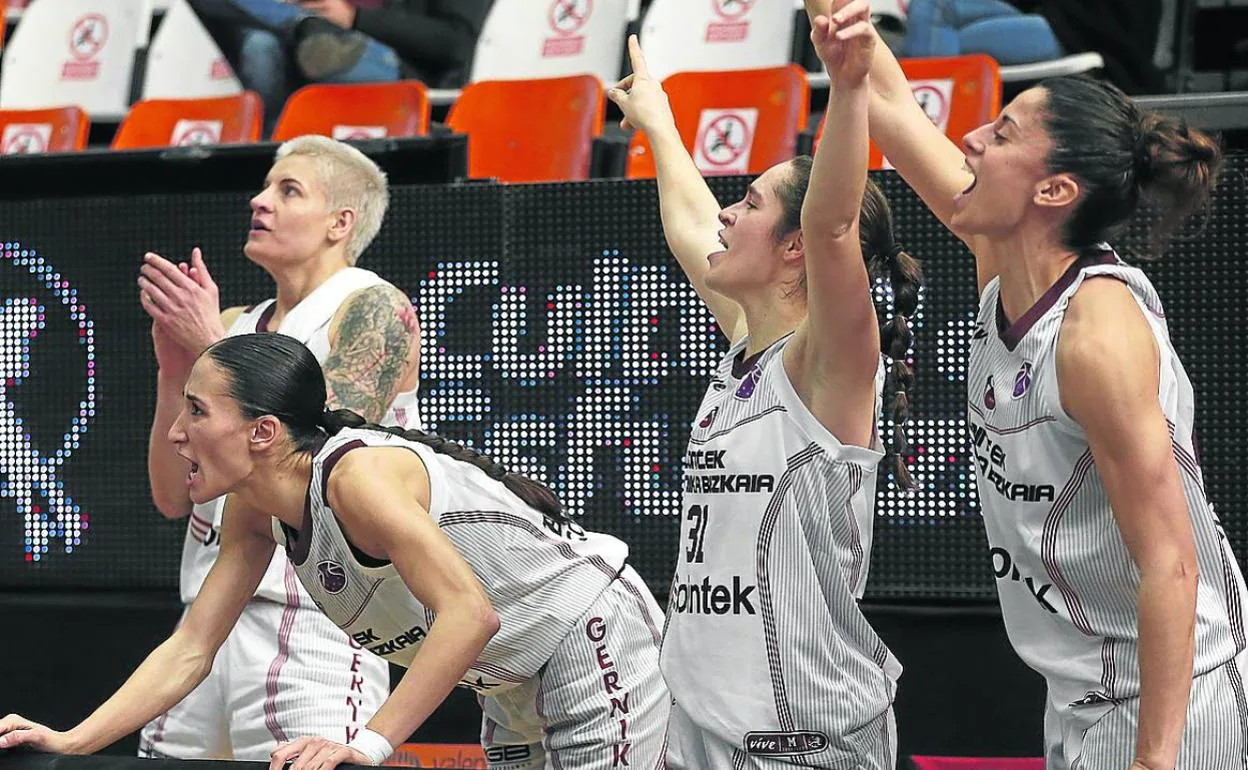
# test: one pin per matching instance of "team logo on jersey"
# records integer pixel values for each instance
(332, 576)
(990, 394)
(718, 384)
(1022, 380)
(981, 332)
(709, 418)
(748, 383)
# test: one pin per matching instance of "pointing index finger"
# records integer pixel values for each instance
(637, 58)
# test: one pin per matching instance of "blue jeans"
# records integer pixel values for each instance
(264, 62)
(993, 27)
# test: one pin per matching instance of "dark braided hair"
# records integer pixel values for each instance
(534, 494)
(276, 374)
(886, 260)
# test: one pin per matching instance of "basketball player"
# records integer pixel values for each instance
(427, 553)
(1115, 579)
(286, 671)
(768, 657)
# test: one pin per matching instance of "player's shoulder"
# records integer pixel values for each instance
(361, 473)
(1103, 309)
(231, 314)
(1104, 334)
(380, 300)
(382, 293)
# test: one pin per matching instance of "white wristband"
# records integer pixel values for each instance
(372, 745)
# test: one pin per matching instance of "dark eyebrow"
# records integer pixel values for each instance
(752, 190)
(1007, 119)
(193, 398)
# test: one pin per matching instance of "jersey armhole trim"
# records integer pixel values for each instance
(815, 430)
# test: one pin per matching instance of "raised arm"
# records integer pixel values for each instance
(931, 163)
(925, 157)
(688, 208)
(181, 662)
(837, 347)
(374, 493)
(374, 349)
(1110, 389)
(183, 304)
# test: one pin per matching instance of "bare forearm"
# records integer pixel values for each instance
(166, 471)
(163, 679)
(455, 641)
(839, 174)
(690, 215)
(687, 206)
(1167, 612)
(888, 81)
(685, 200)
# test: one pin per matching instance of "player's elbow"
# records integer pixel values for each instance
(1175, 568)
(172, 507)
(478, 616)
(826, 228)
(486, 620)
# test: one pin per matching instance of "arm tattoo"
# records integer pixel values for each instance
(368, 357)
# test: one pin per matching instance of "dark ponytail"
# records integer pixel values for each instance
(275, 374)
(534, 494)
(886, 260)
(1124, 156)
(1177, 170)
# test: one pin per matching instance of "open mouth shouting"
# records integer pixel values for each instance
(967, 190)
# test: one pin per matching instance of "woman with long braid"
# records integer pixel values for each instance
(769, 659)
(426, 553)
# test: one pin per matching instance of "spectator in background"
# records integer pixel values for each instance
(1124, 32)
(277, 46)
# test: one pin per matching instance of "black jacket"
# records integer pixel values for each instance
(434, 38)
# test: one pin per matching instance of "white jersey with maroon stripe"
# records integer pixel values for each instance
(309, 323)
(541, 574)
(1067, 584)
(766, 649)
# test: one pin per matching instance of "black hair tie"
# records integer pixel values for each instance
(895, 252)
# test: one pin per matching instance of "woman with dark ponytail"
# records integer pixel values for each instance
(766, 651)
(1081, 417)
(424, 552)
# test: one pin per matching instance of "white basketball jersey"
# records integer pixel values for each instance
(540, 574)
(309, 323)
(765, 646)
(1067, 584)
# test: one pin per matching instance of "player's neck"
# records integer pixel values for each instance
(769, 320)
(296, 282)
(279, 489)
(1030, 261)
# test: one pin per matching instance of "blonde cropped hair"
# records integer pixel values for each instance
(351, 180)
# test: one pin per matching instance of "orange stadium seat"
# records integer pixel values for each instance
(356, 111)
(742, 121)
(959, 93)
(530, 130)
(60, 129)
(180, 122)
